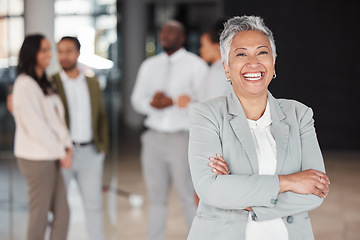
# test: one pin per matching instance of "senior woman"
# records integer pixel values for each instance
(267, 167)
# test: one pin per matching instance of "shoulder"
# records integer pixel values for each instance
(25, 81)
(289, 105)
(152, 60)
(92, 79)
(296, 112)
(56, 79)
(215, 108)
(55, 76)
(193, 58)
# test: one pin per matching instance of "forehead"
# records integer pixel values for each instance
(171, 27)
(44, 43)
(66, 44)
(248, 39)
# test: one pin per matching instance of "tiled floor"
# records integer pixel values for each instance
(337, 219)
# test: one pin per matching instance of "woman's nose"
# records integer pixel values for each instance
(253, 61)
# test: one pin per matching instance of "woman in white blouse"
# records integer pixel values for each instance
(267, 167)
(42, 141)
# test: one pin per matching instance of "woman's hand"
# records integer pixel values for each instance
(66, 162)
(305, 182)
(219, 166)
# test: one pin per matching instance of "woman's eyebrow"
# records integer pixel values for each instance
(243, 48)
(240, 48)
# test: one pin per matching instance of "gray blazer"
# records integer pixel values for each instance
(220, 126)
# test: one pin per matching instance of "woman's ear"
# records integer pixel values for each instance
(226, 69)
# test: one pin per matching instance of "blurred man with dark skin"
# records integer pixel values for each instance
(166, 85)
(86, 118)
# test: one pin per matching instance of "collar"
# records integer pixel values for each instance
(235, 108)
(175, 56)
(65, 78)
(262, 122)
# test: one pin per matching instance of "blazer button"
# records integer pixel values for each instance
(290, 219)
(273, 201)
(253, 216)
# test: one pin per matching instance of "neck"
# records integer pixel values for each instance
(216, 53)
(254, 107)
(216, 58)
(73, 72)
(39, 71)
(172, 51)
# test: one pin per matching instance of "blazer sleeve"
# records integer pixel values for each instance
(224, 191)
(289, 203)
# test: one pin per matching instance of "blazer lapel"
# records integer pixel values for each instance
(242, 131)
(60, 88)
(280, 132)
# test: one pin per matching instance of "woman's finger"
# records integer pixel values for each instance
(220, 162)
(319, 193)
(323, 188)
(218, 169)
(220, 157)
(324, 178)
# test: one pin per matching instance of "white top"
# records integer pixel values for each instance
(79, 105)
(180, 73)
(41, 132)
(215, 84)
(265, 144)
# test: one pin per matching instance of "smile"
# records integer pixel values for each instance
(254, 76)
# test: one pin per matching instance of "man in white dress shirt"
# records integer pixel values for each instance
(165, 86)
(86, 118)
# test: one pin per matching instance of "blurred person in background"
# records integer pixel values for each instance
(42, 141)
(215, 83)
(87, 120)
(166, 85)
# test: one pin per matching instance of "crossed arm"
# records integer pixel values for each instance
(294, 193)
(309, 181)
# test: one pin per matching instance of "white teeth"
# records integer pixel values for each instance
(253, 76)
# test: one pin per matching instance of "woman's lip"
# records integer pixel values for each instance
(253, 76)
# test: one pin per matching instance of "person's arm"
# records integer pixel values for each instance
(300, 191)
(9, 104)
(141, 97)
(293, 202)
(200, 69)
(226, 192)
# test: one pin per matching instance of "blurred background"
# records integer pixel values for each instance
(318, 63)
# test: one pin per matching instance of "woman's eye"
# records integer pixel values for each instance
(263, 53)
(241, 55)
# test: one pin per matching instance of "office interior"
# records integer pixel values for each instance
(318, 64)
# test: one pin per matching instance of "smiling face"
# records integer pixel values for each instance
(43, 57)
(251, 64)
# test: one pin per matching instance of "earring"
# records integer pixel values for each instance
(228, 79)
(274, 76)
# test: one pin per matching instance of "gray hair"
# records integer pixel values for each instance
(236, 25)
